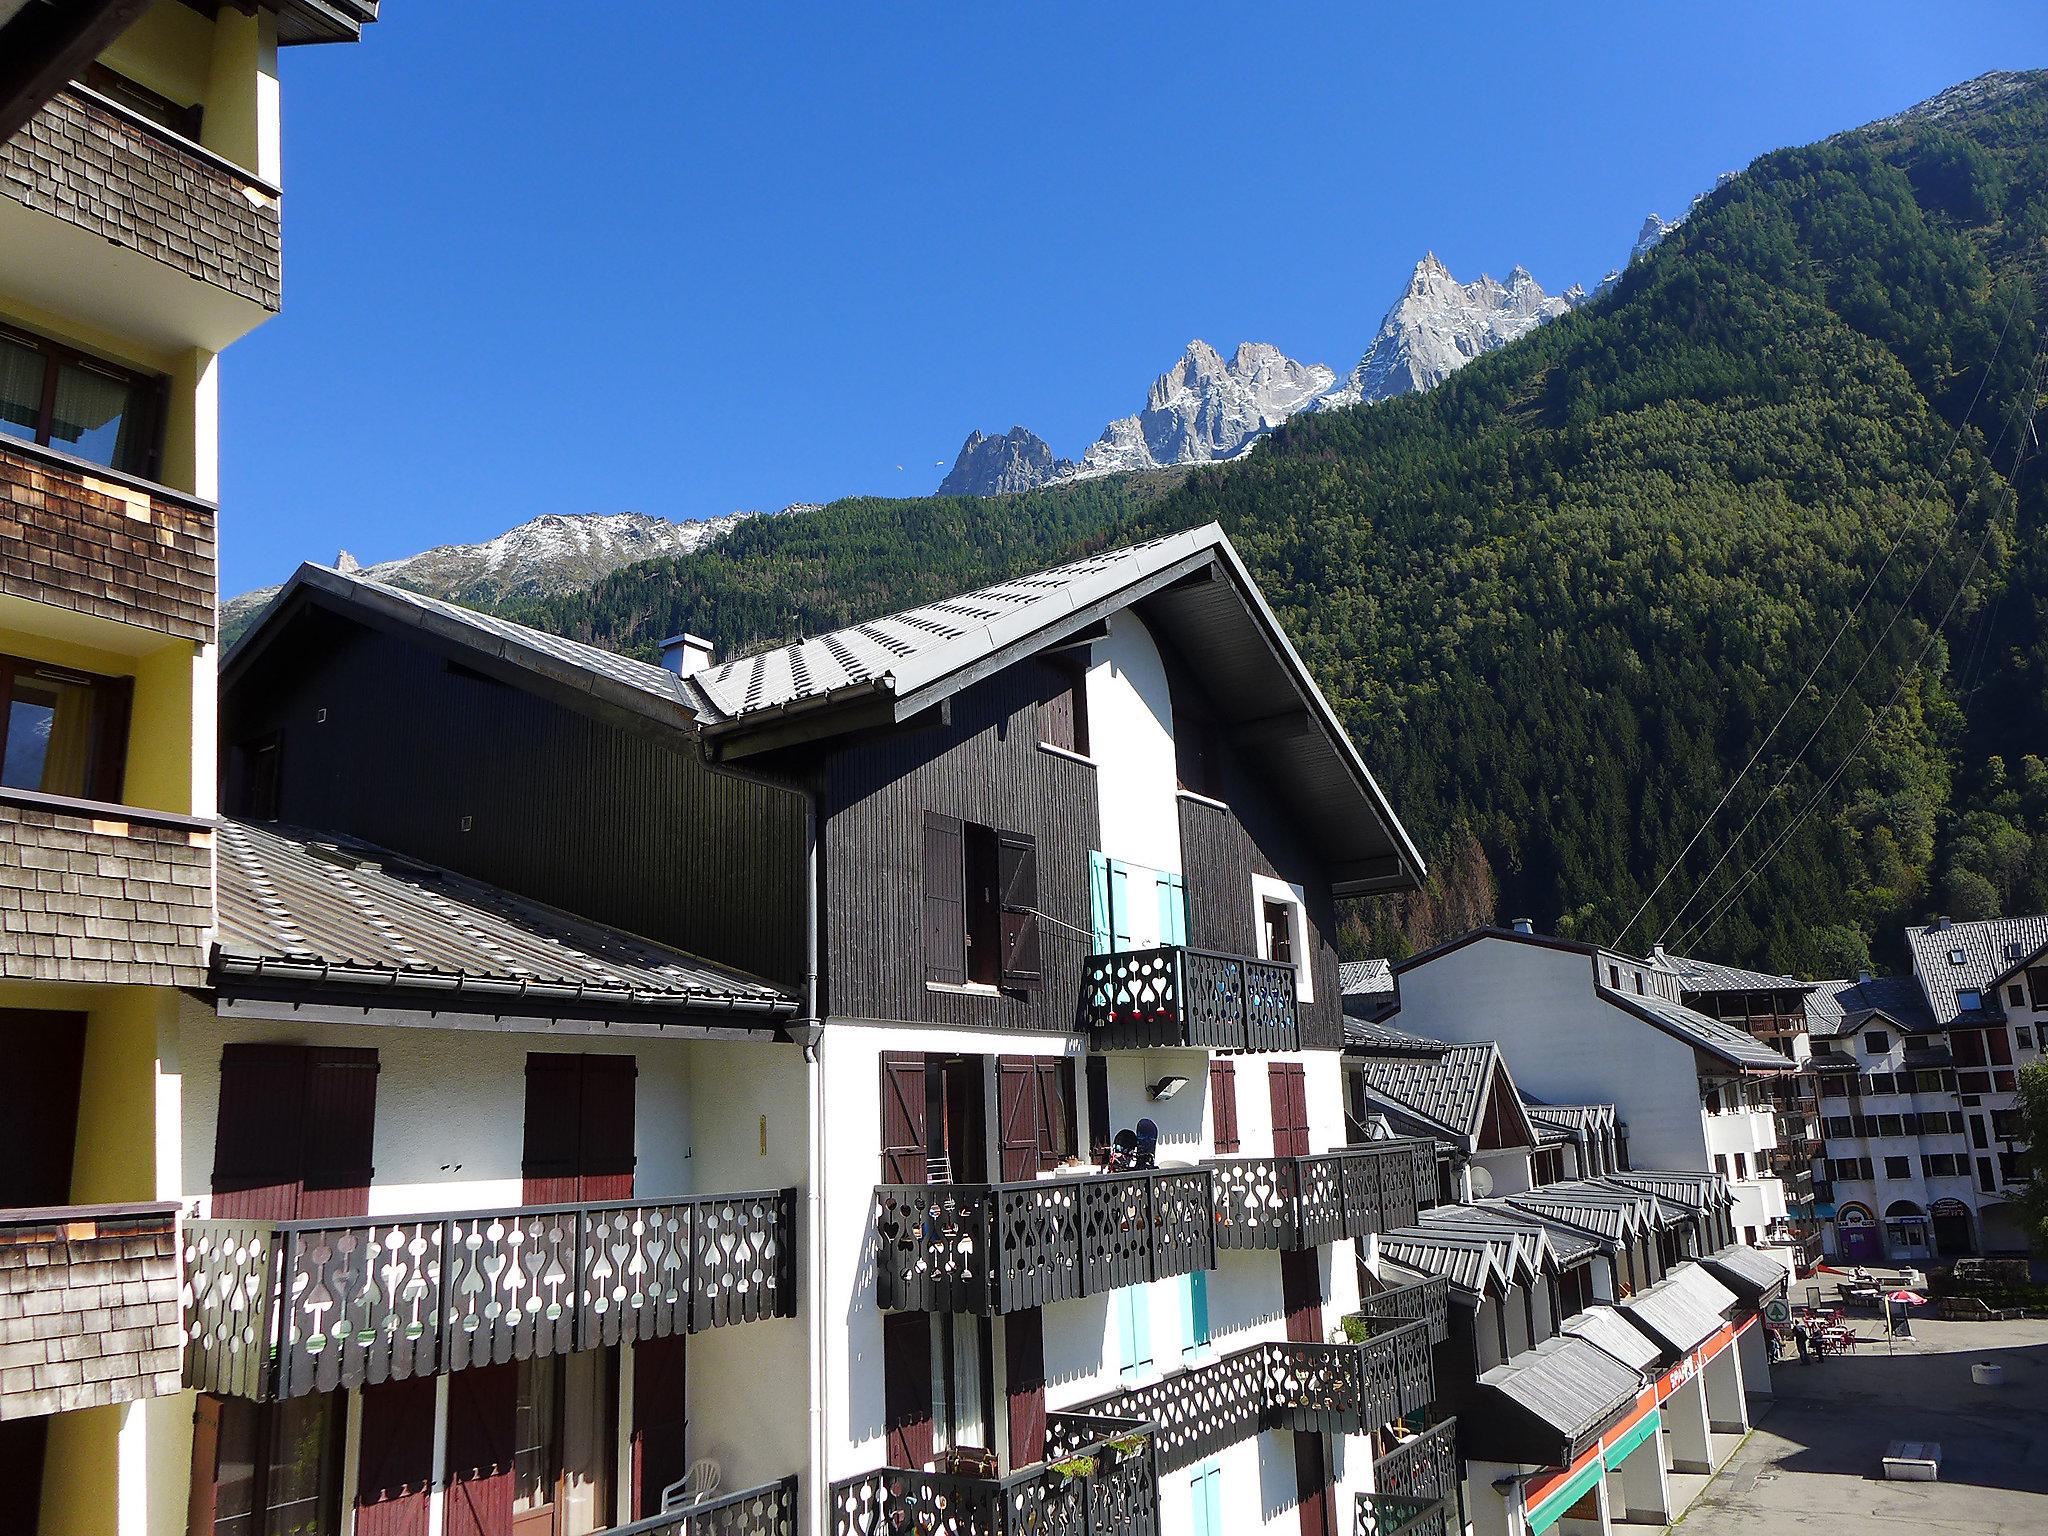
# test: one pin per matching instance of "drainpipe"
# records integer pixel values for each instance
(807, 1030)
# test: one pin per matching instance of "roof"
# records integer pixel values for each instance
(1602, 1209)
(1530, 1246)
(1450, 1090)
(315, 909)
(322, 21)
(1711, 976)
(1602, 1326)
(1747, 1272)
(1737, 1047)
(1473, 1262)
(1836, 1008)
(1692, 1190)
(1365, 978)
(1196, 594)
(566, 670)
(1568, 1243)
(1681, 1311)
(1371, 1035)
(1570, 1385)
(1970, 957)
(1573, 1119)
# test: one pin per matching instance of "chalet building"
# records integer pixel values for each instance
(1582, 1023)
(139, 238)
(890, 939)
(1918, 1079)
(1462, 1097)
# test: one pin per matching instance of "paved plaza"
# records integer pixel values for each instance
(1812, 1464)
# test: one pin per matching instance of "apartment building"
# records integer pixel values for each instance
(140, 218)
(964, 903)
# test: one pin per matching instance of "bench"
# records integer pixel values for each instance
(1913, 1461)
(1974, 1309)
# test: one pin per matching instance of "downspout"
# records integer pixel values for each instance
(807, 1029)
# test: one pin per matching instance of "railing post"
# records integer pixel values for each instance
(285, 1254)
(786, 1246)
(444, 1313)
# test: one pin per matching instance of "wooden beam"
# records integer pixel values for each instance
(45, 45)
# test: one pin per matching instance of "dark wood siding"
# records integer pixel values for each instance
(422, 755)
(981, 766)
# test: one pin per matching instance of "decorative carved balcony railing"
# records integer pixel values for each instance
(1303, 1202)
(769, 1510)
(994, 1248)
(1176, 996)
(1425, 1301)
(1335, 1389)
(280, 1309)
(1098, 1479)
(1415, 1488)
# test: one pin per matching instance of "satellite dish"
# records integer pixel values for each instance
(1482, 1182)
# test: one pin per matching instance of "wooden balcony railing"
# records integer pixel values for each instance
(1415, 1488)
(1098, 1479)
(1337, 1389)
(1177, 996)
(769, 1510)
(278, 1309)
(1426, 1301)
(1292, 1203)
(997, 1248)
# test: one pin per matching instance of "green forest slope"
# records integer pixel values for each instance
(1562, 598)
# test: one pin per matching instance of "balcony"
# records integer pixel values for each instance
(1415, 1488)
(1176, 996)
(1332, 1389)
(97, 542)
(103, 893)
(999, 1248)
(279, 1309)
(1097, 1479)
(1426, 1301)
(1292, 1203)
(88, 1307)
(769, 1510)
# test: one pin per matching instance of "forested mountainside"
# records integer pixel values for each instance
(1562, 598)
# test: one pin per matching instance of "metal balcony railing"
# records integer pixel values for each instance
(1415, 1488)
(1098, 1479)
(1292, 1203)
(278, 1309)
(1177, 996)
(1425, 1301)
(997, 1248)
(769, 1510)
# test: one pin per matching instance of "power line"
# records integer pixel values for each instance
(1792, 701)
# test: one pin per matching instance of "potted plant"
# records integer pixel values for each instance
(1075, 1468)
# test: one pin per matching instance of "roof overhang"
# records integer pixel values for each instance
(43, 43)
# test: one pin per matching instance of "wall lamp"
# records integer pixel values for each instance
(1166, 1088)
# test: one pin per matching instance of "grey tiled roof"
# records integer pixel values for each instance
(1681, 1311)
(1692, 1190)
(1591, 1118)
(1449, 1090)
(1602, 1326)
(310, 906)
(1710, 976)
(1474, 1262)
(1613, 1213)
(1576, 1388)
(1369, 1035)
(1735, 1046)
(1989, 949)
(1836, 1008)
(1365, 978)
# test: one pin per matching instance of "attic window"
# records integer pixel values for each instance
(2015, 950)
(1969, 1000)
(1955, 957)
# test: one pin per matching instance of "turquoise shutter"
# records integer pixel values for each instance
(1212, 1498)
(1173, 909)
(1120, 905)
(1098, 902)
(1134, 1331)
(1194, 1313)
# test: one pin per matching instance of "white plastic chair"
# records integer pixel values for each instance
(700, 1483)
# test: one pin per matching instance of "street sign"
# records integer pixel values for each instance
(1777, 1312)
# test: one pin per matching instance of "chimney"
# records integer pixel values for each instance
(1862, 976)
(1524, 925)
(686, 655)
(1941, 922)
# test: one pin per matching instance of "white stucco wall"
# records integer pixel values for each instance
(1130, 733)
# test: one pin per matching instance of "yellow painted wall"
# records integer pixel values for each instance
(115, 1158)
(233, 124)
(169, 48)
(162, 742)
(82, 1472)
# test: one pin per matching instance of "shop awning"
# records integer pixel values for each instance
(1753, 1276)
(1681, 1311)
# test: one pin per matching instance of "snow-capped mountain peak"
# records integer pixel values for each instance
(1206, 408)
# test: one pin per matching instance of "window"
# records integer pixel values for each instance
(63, 399)
(2037, 985)
(1721, 1164)
(1283, 929)
(1198, 755)
(1134, 1331)
(267, 1469)
(1749, 1236)
(1943, 1165)
(1898, 1167)
(1839, 1125)
(960, 1382)
(2023, 1037)
(63, 732)
(1875, 1043)
(1741, 1166)
(579, 1142)
(1278, 920)
(1890, 1125)
(1194, 1315)
(2005, 1124)
(1063, 708)
(564, 1410)
(1927, 1080)
(1969, 1000)
(1614, 978)
(980, 905)
(2016, 995)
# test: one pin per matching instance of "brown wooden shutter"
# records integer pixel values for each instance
(660, 1420)
(1312, 1484)
(903, 1118)
(1055, 1092)
(551, 1161)
(395, 1467)
(1301, 1292)
(606, 1160)
(201, 1497)
(1287, 1086)
(1017, 885)
(481, 1404)
(257, 1127)
(907, 1388)
(1099, 1132)
(1223, 1104)
(945, 900)
(1016, 1118)
(1024, 1363)
(340, 1129)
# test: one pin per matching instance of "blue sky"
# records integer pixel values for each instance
(713, 257)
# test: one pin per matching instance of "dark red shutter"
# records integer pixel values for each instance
(1312, 1484)
(257, 1127)
(903, 1118)
(1099, 1130)
(907, 1388)
(945, 900)
(395, 1467)
(1024, 1363)
(1287, 1086)
(1223, 1104)
(552, 1159)
(660, 1420)
(341, 1120)
(606, 1163)
(113, 701)
(1016, 1118)
(481, 1404)
(201, 1495)
(1301, 1292)
(1017, 884)
(1056, 1132)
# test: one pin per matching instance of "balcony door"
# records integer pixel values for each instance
(565, 1411)
(579, 1128)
